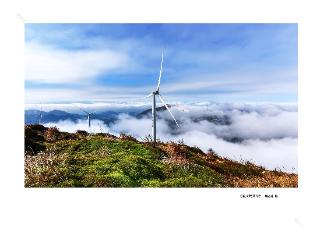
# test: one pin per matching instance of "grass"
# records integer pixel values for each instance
(102, 160)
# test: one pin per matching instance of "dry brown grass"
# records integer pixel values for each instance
(127, 137)
(41, 169)
(176, 153)
(235, 174)
(51, 134)
(268, 179)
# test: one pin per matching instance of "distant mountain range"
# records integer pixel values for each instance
(33, 116)
(148, 112)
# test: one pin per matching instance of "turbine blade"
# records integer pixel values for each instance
(168, 110)
(148, 95)
(139, 99)
(84, 110)
(160, 74)
(80, 108)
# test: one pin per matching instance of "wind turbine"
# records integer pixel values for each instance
(155, 93)
(88, 117)
(40, 115)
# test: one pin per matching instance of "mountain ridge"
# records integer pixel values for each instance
(60, 159)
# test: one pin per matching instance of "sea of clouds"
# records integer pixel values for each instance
(267, 133)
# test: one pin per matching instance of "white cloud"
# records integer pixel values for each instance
(97, 126)
(274, 153)
(93, 107)
(47, 64)
(255, 125)
(60, 94)
(269, 131)
(236, 81)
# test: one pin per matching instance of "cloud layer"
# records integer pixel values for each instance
(267, 134)
(227, 62)
(97, 126)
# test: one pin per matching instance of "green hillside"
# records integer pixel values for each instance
(59, 159)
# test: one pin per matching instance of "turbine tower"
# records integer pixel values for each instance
(155, 93)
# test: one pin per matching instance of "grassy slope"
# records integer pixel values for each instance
(56, 159)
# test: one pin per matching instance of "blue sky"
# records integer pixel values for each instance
(202, 62)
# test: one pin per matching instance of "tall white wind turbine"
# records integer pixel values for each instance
(155, 93)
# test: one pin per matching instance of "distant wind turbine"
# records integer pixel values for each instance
(155, 93)
(89, 114)
(40, 115)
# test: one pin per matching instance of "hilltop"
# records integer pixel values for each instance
(60, 159)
